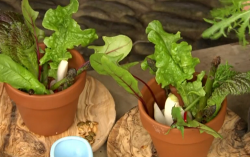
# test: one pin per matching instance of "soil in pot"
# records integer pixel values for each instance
(193, 144)
(50, 114)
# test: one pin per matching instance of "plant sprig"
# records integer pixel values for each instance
(232, 17)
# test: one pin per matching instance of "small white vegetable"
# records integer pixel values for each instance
(158, 115)
(171, 101)
(52, 83)
(62, 70)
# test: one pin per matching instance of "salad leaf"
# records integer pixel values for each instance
(190, 91)
(238, 84)
(115, 46)
(19, 77)
(30, 17)
(223, 73)
(180, 124)
(67, 33)
(129, 65)
(17, 42)
(230, 18)
(107, 65)
(174, 61)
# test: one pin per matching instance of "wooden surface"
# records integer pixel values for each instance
(128, 138)
(95, 104)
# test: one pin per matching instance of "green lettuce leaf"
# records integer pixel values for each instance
(190, 91)
(115, 46)
(19, 77)
(174, 61)
(181, 124)
(17, 41)
(67, 33)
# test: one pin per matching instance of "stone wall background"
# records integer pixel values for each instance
(130, 17)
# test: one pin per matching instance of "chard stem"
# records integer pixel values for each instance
(58, 84)
(150, 90)
(44, 75)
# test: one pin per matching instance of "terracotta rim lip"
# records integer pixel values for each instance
(151, 120)
(64, 92)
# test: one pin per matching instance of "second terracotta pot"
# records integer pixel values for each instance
(193, 144)
(50, 114)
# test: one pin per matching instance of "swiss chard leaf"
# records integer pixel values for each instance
(180, 123)
(17, 42)
(107, 65)
(30, 17)
(174, 61)
(19, 77)
(67, 33)
(129, 65)
(189, 91)
(115, 46)
(238, 84)
(230, 18)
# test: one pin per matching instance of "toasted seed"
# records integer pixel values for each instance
(81, 123)
(89, 138)
(92, 133)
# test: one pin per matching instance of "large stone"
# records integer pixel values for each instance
(5, 7)
(188, 10)
(188, 28)
(143, 48)
(114, 8)
(93, 12)
(103, 25)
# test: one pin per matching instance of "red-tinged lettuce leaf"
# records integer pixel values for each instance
(67, 33)
(237, 85)
(30, 17)
(17, 42)
(174, 61)
(18, 76)
(107, 65)
(181, 124)
(115, 46)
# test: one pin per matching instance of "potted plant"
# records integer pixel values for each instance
(193, 125)
(36, 75)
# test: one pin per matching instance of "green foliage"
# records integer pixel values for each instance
(174, 61)
(19, 77)
(190, 91)
(67, 34)
(230, 18)
(223, 73)
(114, 46)
(105, 61)
(180, 123)
(17, 42)
(238, 84)
(30, 17)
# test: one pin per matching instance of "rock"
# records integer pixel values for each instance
(92, 12)
(143, 48)
(188, 28)
(41, 5)
(5, 7)
(114, 8)
(103, 25)
(132, 20)
(136, 6)
(209, 3)
(133, 57)
(188, 10)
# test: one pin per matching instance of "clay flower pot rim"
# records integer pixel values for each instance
(70, 89)
(148, 118)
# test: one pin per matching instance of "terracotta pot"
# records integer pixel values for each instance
(193, 144)
(50, 114)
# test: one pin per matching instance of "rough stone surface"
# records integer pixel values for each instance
(131, 17)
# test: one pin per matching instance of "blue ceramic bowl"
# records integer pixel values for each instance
(71, 146)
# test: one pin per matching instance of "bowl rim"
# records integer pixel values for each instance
(78, 138)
